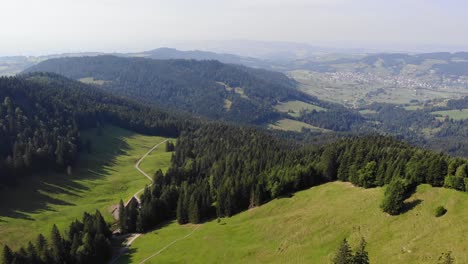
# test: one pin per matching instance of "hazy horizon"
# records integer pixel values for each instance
(59, 26)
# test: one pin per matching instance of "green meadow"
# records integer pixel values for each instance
(98, 181)
(294, 125)
(453, 114)
(293, 108)
(308, 227)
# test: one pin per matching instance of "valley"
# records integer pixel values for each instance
(102, 178)
(233, 132)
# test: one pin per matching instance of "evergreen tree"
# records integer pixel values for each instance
(101, 248)
(361, 256)
(367, 175)
(32, 254)
(193, 210)
(132, 216)
(343, 255)
(122, 217)
(394, 196)
(41, 248)
(8, 256)
(182, 217)
(76, 243)
(57, 246)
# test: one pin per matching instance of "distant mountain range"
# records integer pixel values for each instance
(443, 63)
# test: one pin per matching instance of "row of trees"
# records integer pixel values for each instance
(87, 241)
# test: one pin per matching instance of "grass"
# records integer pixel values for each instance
(368, 112)
(414, 107)
(294, 125)
(103, 178)
(91, 80)
(295, 107)
(308, 227)
(453, 114)
(237, 90)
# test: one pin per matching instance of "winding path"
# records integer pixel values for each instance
(134, 236)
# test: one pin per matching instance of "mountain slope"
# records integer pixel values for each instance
(169, 53)
(207, 88)
(309, 226)
(41, 116)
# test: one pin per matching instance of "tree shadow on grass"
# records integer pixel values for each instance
(34, 194)
(285, 196)
(409, 205)
(128, 256)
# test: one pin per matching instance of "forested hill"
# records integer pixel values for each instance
(220, 170)
(207, 88)
(41, 116)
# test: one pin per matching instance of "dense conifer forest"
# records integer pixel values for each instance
(41, 116)
(199, 87)
(247, 96)
(219, 170)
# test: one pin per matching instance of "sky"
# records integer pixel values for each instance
(38, 27)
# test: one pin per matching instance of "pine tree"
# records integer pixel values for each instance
(132, 215)
(361, 255)
(101, 249)
(343, 255)
(21, 256)
(41, 248)
(57, 246)
(101, 225)
(122, 217)
(193, 210)
(76, 243)
(8, 255)
(181, 210)
(32, 253)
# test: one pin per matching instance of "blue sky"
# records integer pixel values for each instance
(49, 26)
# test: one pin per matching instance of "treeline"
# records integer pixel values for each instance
(220, 170)
(87, 241)
(41, 116)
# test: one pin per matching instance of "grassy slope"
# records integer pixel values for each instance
(308, 227)
(295, 107)
(105, 177)
(294, 125)
(453, 114)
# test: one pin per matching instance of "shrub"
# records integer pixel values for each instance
(440, 211)
(397, 191)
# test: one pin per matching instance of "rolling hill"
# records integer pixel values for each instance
(308, 227)
(207, 88)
